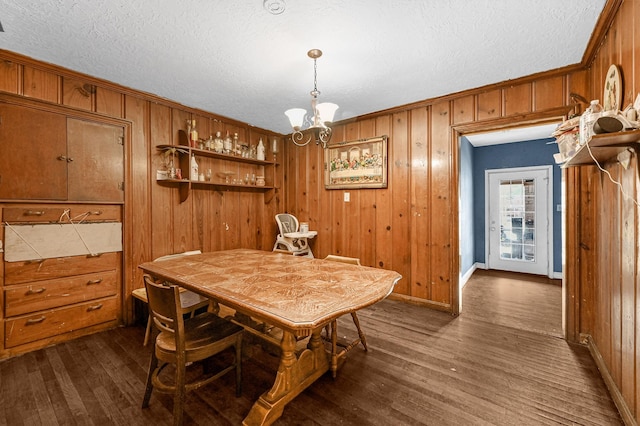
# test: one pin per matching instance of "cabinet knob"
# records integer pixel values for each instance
(92, 282)
(62, 157)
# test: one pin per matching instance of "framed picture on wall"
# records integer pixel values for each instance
(356, 164)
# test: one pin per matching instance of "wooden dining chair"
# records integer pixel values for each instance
(331, 331)
(189, 301)
(182, 342)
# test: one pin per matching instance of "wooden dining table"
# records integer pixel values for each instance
(299, 295)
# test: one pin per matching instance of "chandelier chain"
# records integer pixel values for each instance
(315, 78)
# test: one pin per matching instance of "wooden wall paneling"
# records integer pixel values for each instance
(78, 94)
(138, 211)
(40, 84)
(549, 93)
(578, 83)
(384, 226)
(463, 109)
(626, 56)
(489, 105)
(10, 77)
(398, 217)
(614, 267)
(314, 193)
(517, 99)
(366, 219)
(350, 221)
(605, 288)
(571, 224)
(421, 162)
(629, 254)
(200, 223)
(632, 78)
(109, 102)
(588, 188)
(163, 197)
(182, 212)
(323, 244)
(441, 205)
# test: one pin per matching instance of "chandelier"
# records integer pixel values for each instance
(321, 114)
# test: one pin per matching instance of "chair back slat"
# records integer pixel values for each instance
(164, 305)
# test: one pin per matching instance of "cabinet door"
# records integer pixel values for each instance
(33, 148)
(97, 170)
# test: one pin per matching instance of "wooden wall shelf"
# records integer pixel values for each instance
(265, 167)
(605, 147)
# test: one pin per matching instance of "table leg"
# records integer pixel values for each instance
(295, 374)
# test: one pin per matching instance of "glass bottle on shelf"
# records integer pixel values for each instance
(228, 144)
(194, 168)
(218, 144)
(237, 149)
(209, 143)
(252, 152)
(274, 149)
(260, 155)
(193, 135)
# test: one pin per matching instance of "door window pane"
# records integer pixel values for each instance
(517, 220)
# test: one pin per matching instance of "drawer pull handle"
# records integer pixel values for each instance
(32, 291)
(96, 213)
(34, 213)
(29, 262)
(94, 255)
(91, 282)
(94, 307)
(32, 321)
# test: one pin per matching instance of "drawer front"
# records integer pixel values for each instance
(47, 213)
(19, 331)
(59, 267)
(25, 298)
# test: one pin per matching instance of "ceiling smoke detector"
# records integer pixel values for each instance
(274, 7)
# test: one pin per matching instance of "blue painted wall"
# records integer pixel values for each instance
(520, 154)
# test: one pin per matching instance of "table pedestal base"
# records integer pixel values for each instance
(295, 374)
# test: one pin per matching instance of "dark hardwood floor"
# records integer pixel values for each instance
(424, 368)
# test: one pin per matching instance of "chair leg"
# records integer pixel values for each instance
(238, 365)
(334, 348)
(153, 365)
(179, 395)
(363, 339)
(147, 333)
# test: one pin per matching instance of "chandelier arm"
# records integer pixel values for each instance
(297, 136)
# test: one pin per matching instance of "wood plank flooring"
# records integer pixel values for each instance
(424, 368)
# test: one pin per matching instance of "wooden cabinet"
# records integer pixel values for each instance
(45, 299)
(31, 141)
(228, 172)
(47, 155)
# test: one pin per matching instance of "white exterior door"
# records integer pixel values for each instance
(519, 219)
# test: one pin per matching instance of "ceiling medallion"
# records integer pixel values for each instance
(274, 7)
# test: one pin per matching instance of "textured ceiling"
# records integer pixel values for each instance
(236, 59)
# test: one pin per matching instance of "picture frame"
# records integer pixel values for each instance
(358, 164)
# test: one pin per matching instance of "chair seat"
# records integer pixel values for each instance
(204, 330)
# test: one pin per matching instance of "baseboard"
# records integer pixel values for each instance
(616, 395)
(464, 278)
